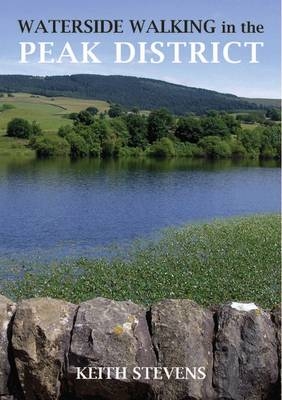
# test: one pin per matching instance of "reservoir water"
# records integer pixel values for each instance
(57, 208)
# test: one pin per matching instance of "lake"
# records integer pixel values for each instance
(56, 208)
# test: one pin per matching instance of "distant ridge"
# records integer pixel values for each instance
(129, 91)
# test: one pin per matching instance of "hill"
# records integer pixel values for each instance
(268, 103)
(146, 94)
(49, 112)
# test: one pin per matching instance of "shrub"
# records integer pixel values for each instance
(73, 116)
(50, 146)
(92, 110)
(163, 148)
(6, 107)
(214, 147)
(35, 129)
(237, 149)
(128, 152)
(78, 146)
(185, 149)
(65, 130)
(20, 128)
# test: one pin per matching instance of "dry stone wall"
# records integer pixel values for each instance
(108, 350)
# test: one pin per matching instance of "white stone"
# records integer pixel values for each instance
(244, 306)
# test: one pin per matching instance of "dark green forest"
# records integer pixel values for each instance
(130, 92)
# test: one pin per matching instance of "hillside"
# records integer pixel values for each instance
(146, 94)
(49, 112)
(269, 103)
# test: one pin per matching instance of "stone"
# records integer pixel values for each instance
(106, 334)
(276, 317)
(7, 309)
(40, 340)
(245, 354)
(182, 333)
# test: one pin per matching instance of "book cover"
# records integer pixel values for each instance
(140, 200)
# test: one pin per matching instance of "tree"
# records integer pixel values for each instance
(232, 123)
(137, 129)
(160, 123)
(189, 129)
(115, 110)
(271, 142)
(84, 117)
(65, 130)
(20, 128)
(92, 110)
(35, 129)
(78, 146)
(214, 126)
(251, 140)
(273, 114)
(73, 116)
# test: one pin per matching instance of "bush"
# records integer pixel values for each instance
(128, 152)
(65, 130)
(163, 148)
(35, 129)
(92, 110)
(237, 149)
(78, 146)
(73, 116)
(20, 128)
(267, 153)
(185, 149)
(84, 117)
(50, 146)
(214, 147)
(6, 107)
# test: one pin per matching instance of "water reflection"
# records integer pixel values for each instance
(57, 208)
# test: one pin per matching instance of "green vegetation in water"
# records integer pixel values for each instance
(233, 259)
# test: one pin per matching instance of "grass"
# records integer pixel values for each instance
(50, 113)
(234, 259)
(15, 148)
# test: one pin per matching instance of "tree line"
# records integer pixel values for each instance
(118, 133)
(129, 91)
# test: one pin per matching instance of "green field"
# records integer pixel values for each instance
(50, 113)
(233, 259)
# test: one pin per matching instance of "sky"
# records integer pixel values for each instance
(244, 79)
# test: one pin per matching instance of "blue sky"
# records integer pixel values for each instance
(252, 80)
